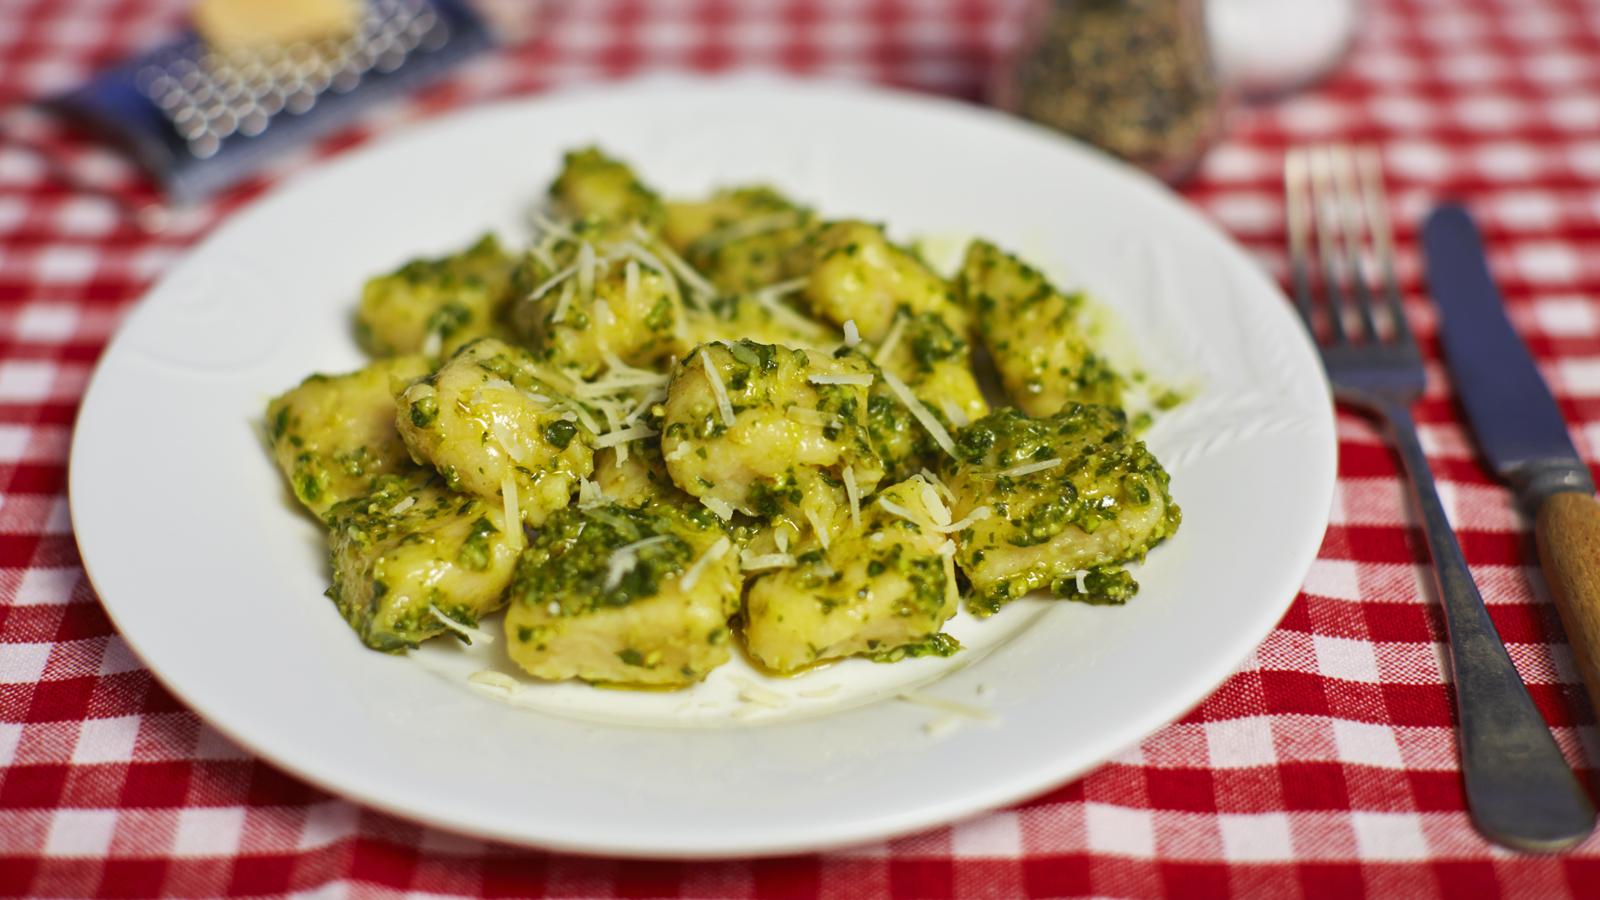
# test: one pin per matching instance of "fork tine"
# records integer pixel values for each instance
(1370, 173)
(1295, 197)
(1330, 276)
(1325, 206)
(1351, 227)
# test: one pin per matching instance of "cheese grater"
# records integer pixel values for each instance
(199, 118)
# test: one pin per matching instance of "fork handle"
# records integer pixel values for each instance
(1567, 529)
(1520, 790)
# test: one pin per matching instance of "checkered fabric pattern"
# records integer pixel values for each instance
(1324, 767)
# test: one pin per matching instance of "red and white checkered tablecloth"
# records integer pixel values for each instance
(1324, 767)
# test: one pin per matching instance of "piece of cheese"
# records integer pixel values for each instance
(253, 23)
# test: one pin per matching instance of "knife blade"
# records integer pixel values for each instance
(1519, 428)
(1516, 421)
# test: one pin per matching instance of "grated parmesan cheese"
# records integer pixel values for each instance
(852, 335)
(402, 506)
(943, 705)
(513, 509)
(547, 225)
(749, 228)
(650, 399)
(584, 418)
(937, 482)
(697, 283)
(586, 267)
(551, 283)
(722, 508)
(755, 693)
(679, 452)
(564, 301)
(494, 681)
(724, 405)
(778, 290)
(508, 441)
(977, 515)
(816, 525)
(713, 553)
(890, 340)
(473, 635)
(609, 410)
(624, 558)
(920, 412)
(954, 412)
(611, 384)
(863, 380)
(750, 562)
(770, 298)
(894, 508)
(1030, 468)
(433, 344)
(853, 492)
(624, 436)
(590, 495)
(538, 252)
(937, 511)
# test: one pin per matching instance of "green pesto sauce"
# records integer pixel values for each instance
(1102, 586)
(941, 645)
(933, 342)
(560, 433)
(424, 410)
(569, 562)
(475, 550)
(1104, 471)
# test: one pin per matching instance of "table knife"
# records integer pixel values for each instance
(1518, 427)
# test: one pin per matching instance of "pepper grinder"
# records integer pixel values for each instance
(1133, 77)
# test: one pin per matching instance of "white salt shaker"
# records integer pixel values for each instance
(1268, 47)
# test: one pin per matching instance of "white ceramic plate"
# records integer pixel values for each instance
(216, 580)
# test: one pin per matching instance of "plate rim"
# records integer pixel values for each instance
(999, 791)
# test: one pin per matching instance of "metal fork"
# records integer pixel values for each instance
(1519, 789)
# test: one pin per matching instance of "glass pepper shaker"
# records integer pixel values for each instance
(1133, 77)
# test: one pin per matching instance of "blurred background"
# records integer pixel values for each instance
(205, 94)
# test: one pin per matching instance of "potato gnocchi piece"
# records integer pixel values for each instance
(434, 306)
(592, 185)
(1034, 334)
(597, 305)
(935, 363)
(1058, 503)
(620, 595)
(491, 418)
(334, 434)
(413, 559)
(884, 587)
(638, 479)
(749, 426)
(740, 238)
(854, 273)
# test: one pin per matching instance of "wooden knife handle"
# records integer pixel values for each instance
(1567, 530)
